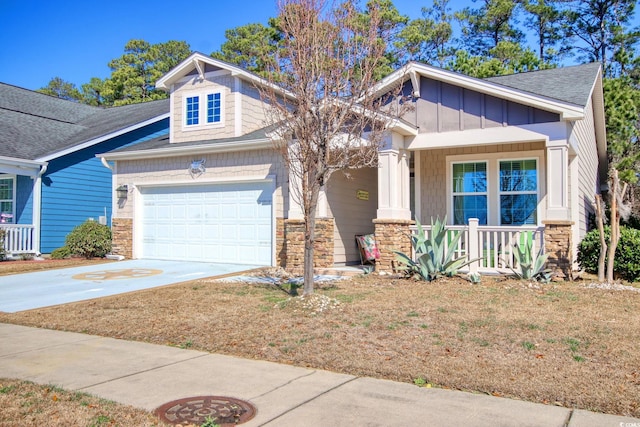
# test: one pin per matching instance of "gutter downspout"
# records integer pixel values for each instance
(37, 208)
(106, 164)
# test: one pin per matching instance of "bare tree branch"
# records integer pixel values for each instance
(321, 105)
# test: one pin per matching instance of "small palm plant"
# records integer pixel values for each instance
(530, 266)
(435, 255)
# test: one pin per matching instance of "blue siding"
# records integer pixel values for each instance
(24, 200)
(78, 186)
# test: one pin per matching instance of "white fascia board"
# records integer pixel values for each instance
(15, 166)
(181, 70)
(567, 111)
(223, 147)
(475, 137)
(402, 128)
(103, 138)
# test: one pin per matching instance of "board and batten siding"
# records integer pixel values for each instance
(77, 187)
(351, 215)
(443, 107)
(588, 181)
(220, 167)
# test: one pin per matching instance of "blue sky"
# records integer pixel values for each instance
(74, 40)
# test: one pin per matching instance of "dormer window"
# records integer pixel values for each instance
(203, 110)
(193, 110)
(213, 108)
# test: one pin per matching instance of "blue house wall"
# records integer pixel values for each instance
(24, 200)
(77, 186)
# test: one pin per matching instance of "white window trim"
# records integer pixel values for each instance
(464, 193)
(202, 110)
(493, 184)
(509, 193)
(14, 199)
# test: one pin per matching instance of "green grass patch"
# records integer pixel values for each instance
(528, 345)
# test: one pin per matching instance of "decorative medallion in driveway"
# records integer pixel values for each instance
(127, 273)
(45, 288)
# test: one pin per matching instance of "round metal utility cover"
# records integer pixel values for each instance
(225, 411)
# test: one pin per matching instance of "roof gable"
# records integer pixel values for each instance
(566, 109)
(198, 64)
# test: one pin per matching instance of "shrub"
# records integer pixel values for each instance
(530, 266)
(89, 239)
(627, 261)
(61, 253)
(435, 255)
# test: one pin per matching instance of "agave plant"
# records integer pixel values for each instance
(530, 266)
(435, 255)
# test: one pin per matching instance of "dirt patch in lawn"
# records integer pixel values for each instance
(559, 344)
(25, 404)
(33, 265)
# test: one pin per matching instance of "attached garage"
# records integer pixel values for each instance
(229, 223)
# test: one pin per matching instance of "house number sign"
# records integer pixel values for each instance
(362, 195)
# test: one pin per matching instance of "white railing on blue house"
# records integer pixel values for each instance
(493, 246)
(18, 238)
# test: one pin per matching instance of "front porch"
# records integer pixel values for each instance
(18, 239)
(20, 204)
(491, 246)
(496, 192)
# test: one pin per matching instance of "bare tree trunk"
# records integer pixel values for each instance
(614, 223)
(309, 240)
(603, 241)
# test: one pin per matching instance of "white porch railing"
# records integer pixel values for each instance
(18, 238)
(493, 245)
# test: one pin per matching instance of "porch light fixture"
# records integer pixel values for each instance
(122, 191)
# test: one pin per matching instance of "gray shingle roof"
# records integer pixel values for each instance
(568, 84)
(163, 141)
(33, 125)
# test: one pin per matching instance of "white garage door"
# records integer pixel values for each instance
(213, 223)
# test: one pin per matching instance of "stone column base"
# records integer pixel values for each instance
(122, 237)
(294, 244)
(391, 235)
(558, 245)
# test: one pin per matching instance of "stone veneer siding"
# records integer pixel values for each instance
(391, 235)
(558, 245)
(122, 237)
(294, 244)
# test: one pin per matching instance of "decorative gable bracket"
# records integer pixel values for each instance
(200, 67)
(415, 82)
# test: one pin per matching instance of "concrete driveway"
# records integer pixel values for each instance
(45, 288)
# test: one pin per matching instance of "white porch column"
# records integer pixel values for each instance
(37, 211)
(393, 179)
(557, 180)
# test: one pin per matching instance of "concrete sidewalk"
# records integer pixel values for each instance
(147, 376)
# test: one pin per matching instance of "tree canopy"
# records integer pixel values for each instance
(320, 101)
(487, 38)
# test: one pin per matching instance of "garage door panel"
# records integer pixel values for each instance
(218, 223)
(247, 232)
(210, 232)
(264, 232)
